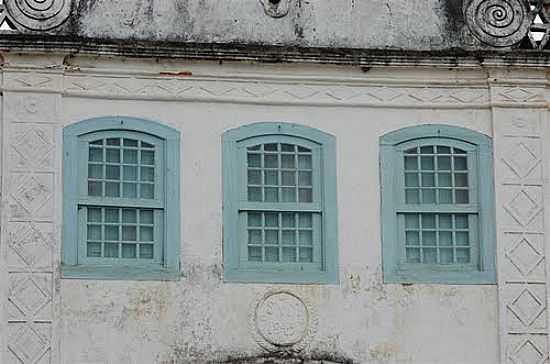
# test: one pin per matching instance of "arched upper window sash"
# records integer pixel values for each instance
(121, 199)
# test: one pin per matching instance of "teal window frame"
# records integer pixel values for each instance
(237, 268)
(165, 204)
(480, 208)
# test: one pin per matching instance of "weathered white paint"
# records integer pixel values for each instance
(200, 318)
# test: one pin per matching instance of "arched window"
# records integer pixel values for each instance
(437, 206)
(279, 204)
(118, 221)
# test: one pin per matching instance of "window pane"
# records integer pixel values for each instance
(146, 251)
(111, 250)
(129, 233)
(288, 161)
(271, 194)
(93, 250)
(112, 189)
(111, 233)
(427, 163)
(254, 160)
(289, 194)
(305, 195)
(271, 254)
(289, 255)
(254, 254)
(147, 157)
(128, 250)
(430, 256)
(129, 156)
(129, 216)
(147, 174)
(271, 178)
(130, 173)
(147, 191)
(271, 161)
(289, 178)
(95, 155)
(306, 255)
(94, 232)
(411, 163)
(411, 221)
(304, 162)
(254, 177)
(113, 155)
(95, 171)
(113, 172)
(411, 179)
(272, 219)
(129, 190)
(95, 188)
(94, 215)
(146, 233)
(146, 216)
(254, 219)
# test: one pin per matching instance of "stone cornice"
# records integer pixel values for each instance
(273, 54)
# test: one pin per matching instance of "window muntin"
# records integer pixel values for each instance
(436, 174)
(111, 233)
(281, 180)
(280, 172)
(122, 185)
(436, 184)
(121, 167)
(279, 204)
(437, 206)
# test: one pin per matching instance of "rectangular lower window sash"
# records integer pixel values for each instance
(137, 248)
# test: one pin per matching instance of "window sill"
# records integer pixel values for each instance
(118, 273)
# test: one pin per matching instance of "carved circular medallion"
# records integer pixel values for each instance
(499, 23)
(39, 15)
(276, 8)
(282, 321)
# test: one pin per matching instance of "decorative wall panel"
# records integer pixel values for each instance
(522, 261)
(28, 180)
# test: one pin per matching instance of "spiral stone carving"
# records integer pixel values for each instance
(39, 15)
(499, 23)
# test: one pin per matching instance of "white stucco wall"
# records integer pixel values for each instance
(200, 318)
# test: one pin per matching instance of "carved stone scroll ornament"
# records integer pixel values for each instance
(276, 8)
(498, 23)
(39, 15)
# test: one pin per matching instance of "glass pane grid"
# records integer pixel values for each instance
(436, 175)
(442, 239)
(278, 172)
(120, 233)
(280, 237)
(121, 167)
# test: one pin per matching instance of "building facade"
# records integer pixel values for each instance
(263, 181)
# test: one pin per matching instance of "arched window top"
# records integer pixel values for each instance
(121, 123)
(420, 132)
(265, 129)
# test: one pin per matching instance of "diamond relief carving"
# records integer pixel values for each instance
(527, 352)
(30, 195)
(29, 345)
(527, 307)
(31, 244)
(525, 257)
(521, 159)
(523, 208)
(29, 297)
(32, 148)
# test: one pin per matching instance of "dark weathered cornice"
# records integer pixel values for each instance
(25, 43)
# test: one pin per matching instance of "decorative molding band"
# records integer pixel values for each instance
(275, 91)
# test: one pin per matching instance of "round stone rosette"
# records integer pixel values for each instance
(39, 15)
(282, 321)
(499, 23)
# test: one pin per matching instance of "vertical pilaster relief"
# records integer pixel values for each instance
(29, 234)
(520, 165)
